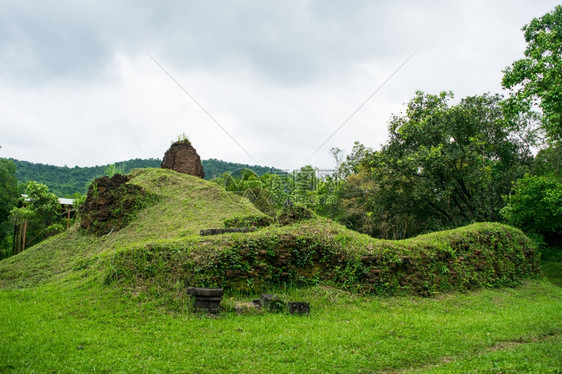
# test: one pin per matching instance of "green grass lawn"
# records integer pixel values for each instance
(82, 326)
(553, 271)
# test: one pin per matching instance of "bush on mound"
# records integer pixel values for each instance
(293, 213)
(319, 251)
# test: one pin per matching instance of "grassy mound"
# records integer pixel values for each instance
(320, 251)
(160, 250)
(183, 206)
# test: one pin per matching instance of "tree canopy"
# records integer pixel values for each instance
(536, 206)
(536, 80)
(8, 187)
(39, 214)
(445, 164)
(66, 182)
(8, 200)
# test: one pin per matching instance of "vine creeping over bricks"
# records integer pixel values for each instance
(319, 251)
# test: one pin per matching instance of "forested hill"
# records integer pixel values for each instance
(215, 168)
(64, 181)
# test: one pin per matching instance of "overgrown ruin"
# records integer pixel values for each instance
(111, 203)
(183, 158)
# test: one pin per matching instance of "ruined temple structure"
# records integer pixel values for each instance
(183, 158)
(110, 204)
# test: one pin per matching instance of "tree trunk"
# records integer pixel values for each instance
(24, 232)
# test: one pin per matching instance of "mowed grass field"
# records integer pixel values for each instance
(83, 327)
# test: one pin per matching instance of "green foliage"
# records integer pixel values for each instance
(243, 182)
(111, 170)
(292, 213)
(250, 187)
(182, 139)
(445, 165)
(356, 206)
(65, 181)
(337, 154)
(271, 192)
(548, 161)
(536, 79)
(262, 200)
(8, 200)
(215, 169)
(8, 187)
(40, 214)
(535, 206)
(44, 204)
(353, 160)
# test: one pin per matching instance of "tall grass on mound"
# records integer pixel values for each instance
(320, 252)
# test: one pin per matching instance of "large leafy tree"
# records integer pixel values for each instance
(536, 80)
(8, 187)
(8, 200)
(39, 214)
(446, 165)
(535, 203)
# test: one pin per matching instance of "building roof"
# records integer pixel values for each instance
(62, 200)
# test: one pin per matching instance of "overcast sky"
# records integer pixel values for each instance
(95, 82)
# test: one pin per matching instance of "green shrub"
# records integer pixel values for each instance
(535, 206)
(294, 213)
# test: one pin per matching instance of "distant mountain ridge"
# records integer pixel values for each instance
(64, 181)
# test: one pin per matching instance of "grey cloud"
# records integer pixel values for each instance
(286, 73)
(39, 44)
(288, 42)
